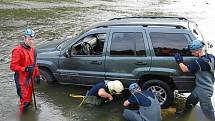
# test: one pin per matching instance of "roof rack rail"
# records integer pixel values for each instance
(152, 17)
(147, 25)
(164, 25)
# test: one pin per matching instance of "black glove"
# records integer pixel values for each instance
(178, 58)
(29, 69)
(38, 79)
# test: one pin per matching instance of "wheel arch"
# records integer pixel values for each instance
(164, 78)
(49, 71)
(147, 80)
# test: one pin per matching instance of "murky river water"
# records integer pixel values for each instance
(54, 21)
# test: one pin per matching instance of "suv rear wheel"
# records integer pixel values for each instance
(162, 90)
(46, 76)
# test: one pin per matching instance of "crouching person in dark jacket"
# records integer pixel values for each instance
(102, 92)
(149, 107)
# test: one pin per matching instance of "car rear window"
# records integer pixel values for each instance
(167, 44)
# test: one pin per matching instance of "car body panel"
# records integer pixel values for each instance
(48, 59)
(83, 70)
(126, 68)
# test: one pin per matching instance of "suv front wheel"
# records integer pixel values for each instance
(46, 76)
(162, 90)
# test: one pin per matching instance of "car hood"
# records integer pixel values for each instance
(46, 47)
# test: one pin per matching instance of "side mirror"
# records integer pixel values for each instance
(67, 53)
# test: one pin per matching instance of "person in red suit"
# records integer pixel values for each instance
(25, 68)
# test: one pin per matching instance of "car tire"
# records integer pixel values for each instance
(162, 90)
(46, 76)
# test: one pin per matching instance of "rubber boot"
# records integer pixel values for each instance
(184, 112)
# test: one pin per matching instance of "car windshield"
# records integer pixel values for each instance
(66, 42)
(63, 44)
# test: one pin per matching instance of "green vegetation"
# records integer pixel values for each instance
(15, 19)
(25, 13)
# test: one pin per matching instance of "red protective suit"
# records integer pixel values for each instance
(21, 58)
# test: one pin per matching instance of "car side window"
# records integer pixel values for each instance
(127, 44)
(167, 44)
(90, 45)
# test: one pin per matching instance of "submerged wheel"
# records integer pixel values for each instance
(162, 91)
(46, 76)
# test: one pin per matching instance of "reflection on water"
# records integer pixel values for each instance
(55, 21)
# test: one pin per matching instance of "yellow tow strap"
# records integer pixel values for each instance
(78, 96)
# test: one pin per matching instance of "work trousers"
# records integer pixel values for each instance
(132, 115)
(25, 94)
(204, 97)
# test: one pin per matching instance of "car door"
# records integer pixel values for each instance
(85, 68)
(127, 54)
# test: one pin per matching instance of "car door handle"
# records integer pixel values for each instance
(140, 63)
(96, 62)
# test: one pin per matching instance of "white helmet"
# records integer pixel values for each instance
(115, 86)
